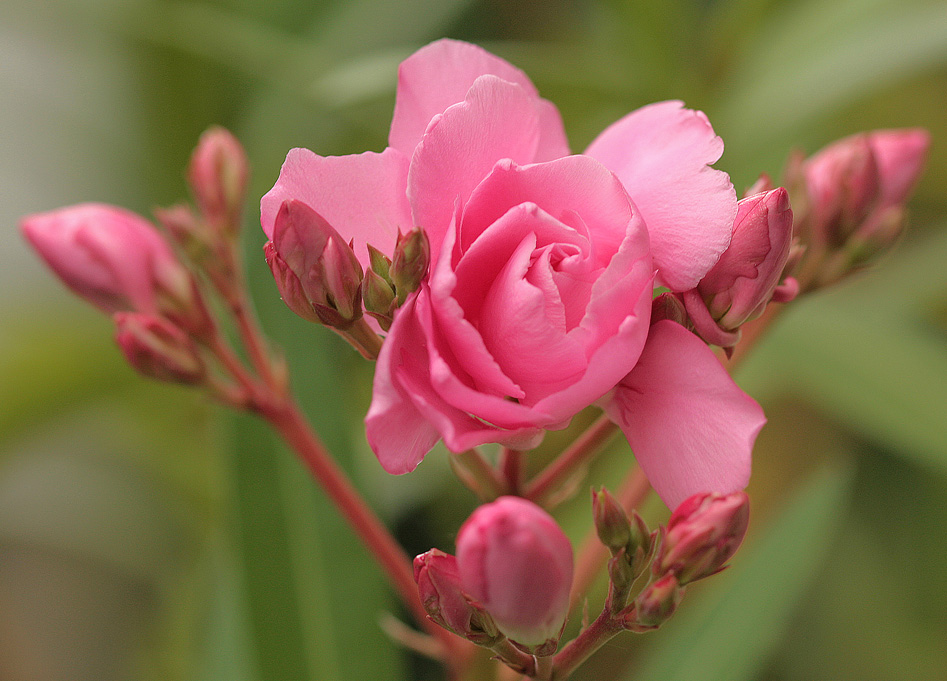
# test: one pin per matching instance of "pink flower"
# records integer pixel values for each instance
(112, 257)
(516, 562)
(543, 264)
(442, 595)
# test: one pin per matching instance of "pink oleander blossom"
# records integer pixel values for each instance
(543, 264)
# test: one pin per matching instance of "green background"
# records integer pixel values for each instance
(146, 534)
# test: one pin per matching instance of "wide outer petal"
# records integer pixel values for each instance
(690, 427)
(439, 75)
(662, 154)
(362, 196)
(496, 121)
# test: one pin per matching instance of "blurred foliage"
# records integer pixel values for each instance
(145, 534)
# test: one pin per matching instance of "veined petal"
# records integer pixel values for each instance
(662, 154)
(439, 75)
(689, 425)
(361, 196)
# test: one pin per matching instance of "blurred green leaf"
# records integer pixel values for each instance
(728, 634)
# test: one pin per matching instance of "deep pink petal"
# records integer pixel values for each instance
(439, 75)
(362, 196)
(496, 121)
(661, 153)
(689, 425)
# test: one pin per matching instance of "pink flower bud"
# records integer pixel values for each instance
(316, 272)
(113, 258)
(410, 262)
(443, 598)
(157, 348)
(702, 534)
(855, 178)
(515, 560)
(218, 175)
(741, 284)
(656, 603)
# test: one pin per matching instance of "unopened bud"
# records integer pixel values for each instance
(218, 175)
(444, 601)
(702, 534)
(157, 348)
(655, 605)
(410, 262)
(611, 521)
(378, 298)
(669, 306)
(314, 268)
(112, 257)
(516, 561)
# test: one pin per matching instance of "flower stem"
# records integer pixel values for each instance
(578, 453)
(478, 474)
(593, 637)
(363, 338)
(511, 467)
(286, 418)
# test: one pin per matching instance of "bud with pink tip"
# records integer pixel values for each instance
(158, 349)
(443, 598)
(112, 257)
(316, 272)
(516, 561)
(856, 179)
(655, 604)
(410, 261)
(703, 533)
(218, 175)
(745, 278)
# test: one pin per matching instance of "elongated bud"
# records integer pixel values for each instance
(611, 521)
(112, 257)
(314, 268)
(443, 598)
(702, 534)
(655, 605)
(218, 175)
(516, 561)
(410, 262)
(378, 298)
(158, 349)
(853, 184)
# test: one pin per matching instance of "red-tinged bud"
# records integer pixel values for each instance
(410, 262)
(743, 281)
(516, 561)
(112, 257)
(655, 605)
(854, 179)
(158, 349)
(702, 534)
(446, 604)
(741, 284)
(218, 175)
(314, 268)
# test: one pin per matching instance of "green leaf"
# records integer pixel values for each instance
(727, 635)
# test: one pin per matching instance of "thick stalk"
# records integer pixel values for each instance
(286, 418)
(585, 644)
(511, 468)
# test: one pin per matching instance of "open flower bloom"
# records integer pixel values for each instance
(543, 264)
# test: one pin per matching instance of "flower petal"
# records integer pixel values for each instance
(496, 121)
(362, 196)
(661, 153)
(689, 425)
(439, 75)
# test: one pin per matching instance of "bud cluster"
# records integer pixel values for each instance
(850, 201)
(629, 541)
(509, 582)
